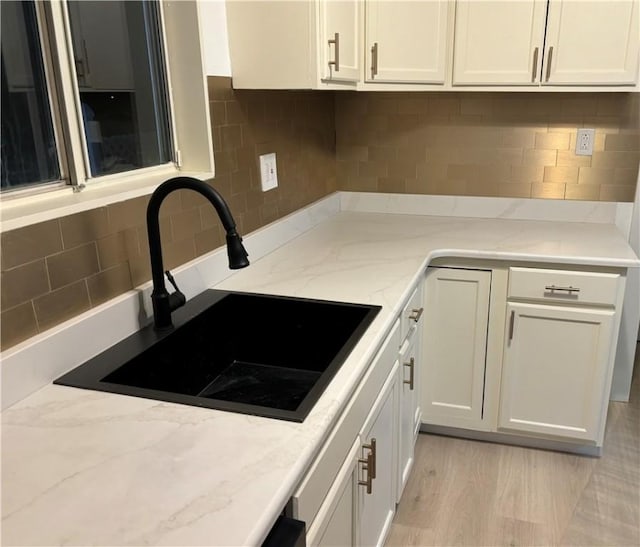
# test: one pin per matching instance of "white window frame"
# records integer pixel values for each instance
(189, 117)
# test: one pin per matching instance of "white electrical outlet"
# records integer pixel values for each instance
(584, 142)
(268, 172)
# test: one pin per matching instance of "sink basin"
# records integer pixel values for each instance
(256, 354)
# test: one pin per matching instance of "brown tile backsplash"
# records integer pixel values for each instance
(488, 144)
(57, 269)
(480, 144)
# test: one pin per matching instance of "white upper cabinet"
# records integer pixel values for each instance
(498, 42)
(406, 41)
(592, 42)
(340, 47)
(587, 42)
(586, 45)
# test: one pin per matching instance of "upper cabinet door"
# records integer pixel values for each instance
(592, 42)
(406, 41)
(340, 40)
(498, 42)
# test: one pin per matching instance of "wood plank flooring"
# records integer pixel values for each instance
(464, 492)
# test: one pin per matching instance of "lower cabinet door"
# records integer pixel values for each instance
(334, 525)
(454, 349)
(377, 481)
(556, 370)
(409, 414)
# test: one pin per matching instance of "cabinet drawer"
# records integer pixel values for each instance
(411, 313)
(312, 491)
(563, 286)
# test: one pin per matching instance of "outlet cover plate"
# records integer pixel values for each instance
(584, 142)
(268, 172)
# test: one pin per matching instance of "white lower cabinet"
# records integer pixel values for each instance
(334, 524)
(348, 495)
(409, 416)
(554, 370)
(377, 484)
(455, 343)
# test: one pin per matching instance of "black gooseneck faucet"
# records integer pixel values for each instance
(163, 302)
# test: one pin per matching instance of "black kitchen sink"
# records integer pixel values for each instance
(256, 354)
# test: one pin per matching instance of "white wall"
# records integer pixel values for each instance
(215, 41)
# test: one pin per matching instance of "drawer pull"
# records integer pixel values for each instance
(535, 65)
(336, 60)
(411, 365)
(416, 314)
(372, 448)
(367, 465)
(511, 321)
(569, 289)
(374, 60)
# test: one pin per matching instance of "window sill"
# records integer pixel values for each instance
(24, 211)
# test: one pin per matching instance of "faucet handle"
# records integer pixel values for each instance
(171, 280)
(177, 299)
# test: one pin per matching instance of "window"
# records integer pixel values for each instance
(105, 112)
(65, 147)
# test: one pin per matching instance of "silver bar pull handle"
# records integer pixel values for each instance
(412, 365)
(549, 59)
(511, 322)
(372, 454)
(336, 58)
(374, 60)
(569, 289)
(535, 65)
(367, 465)
(416, 314)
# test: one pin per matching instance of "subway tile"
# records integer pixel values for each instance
(476, 104)
(612, 192)
(539, 157)
(84, 227)
(595, 175)
(111, 250)
(617, 160)
(526, 173)
(109, 283)
(561, 174)
(177, 253)
(61, 304)
(517, 137)
(72, 265)
(568, 158)
(372, 168)
(552, 141)
(18, 324)
(208, 240)
(401, 168)
(218, 112)
(127, 214)
(30, 243)
(23, 283)
(547, 190)
(185, 224)
(395, 184)
(623, 142)
(588, 192)
(514, 190)
(625, 176)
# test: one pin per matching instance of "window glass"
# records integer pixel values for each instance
(117, 49)
(28, 150)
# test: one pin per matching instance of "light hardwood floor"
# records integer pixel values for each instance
(474, 493)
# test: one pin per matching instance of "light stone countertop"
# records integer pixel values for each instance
(89, 468)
